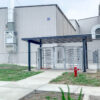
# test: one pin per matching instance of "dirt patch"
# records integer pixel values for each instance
(42, 95)
(94, 75)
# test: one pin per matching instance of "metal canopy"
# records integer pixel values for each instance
(59, 39)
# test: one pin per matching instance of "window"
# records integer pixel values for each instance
(96, 31)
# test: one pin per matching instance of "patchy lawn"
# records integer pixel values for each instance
(82, 79)
(9, 72)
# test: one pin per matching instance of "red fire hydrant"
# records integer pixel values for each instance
(75, 71)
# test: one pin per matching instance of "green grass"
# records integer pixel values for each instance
(82, 79)
(9, 72)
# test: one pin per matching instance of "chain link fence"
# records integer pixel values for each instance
(66, 57)
(19, 58)
(61, 57)
(94, 59)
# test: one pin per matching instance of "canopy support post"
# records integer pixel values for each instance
(29, 56)
(85, 59)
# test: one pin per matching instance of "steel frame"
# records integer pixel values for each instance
(78, 38)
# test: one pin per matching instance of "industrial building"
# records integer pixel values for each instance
(37, 22)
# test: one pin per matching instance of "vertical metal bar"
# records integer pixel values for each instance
(97, 60)
(40, 56)
(84, 54)
(64, 57)
(53, 57)
(36, 59)
(29, 56)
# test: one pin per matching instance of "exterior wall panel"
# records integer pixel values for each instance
(76, 26)
(87, 24)
(3, 22)
(64, 27)
(34, 22)
(29, 22)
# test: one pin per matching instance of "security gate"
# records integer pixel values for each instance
(59, 58)
(74, 57)
(47, 58)
(62, 57)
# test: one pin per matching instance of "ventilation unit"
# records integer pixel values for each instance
(11, 41)
(10, 34)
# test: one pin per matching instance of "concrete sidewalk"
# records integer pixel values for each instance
(86, 90)
(19, 89)
(16, 90)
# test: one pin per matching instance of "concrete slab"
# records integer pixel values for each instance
(3, 83)
(95, 91)
(29, 85)
(38, 80)
(55, 87)
(47, 74)
(87, 91)
(17, 90)
(7, 93)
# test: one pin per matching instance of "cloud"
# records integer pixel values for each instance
(83, 9)
(72, 14)
(3, 3)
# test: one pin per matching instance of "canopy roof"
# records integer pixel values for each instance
(59, 39)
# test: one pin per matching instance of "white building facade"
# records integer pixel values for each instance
(42, 21)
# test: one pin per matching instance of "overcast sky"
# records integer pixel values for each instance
(73, 9)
